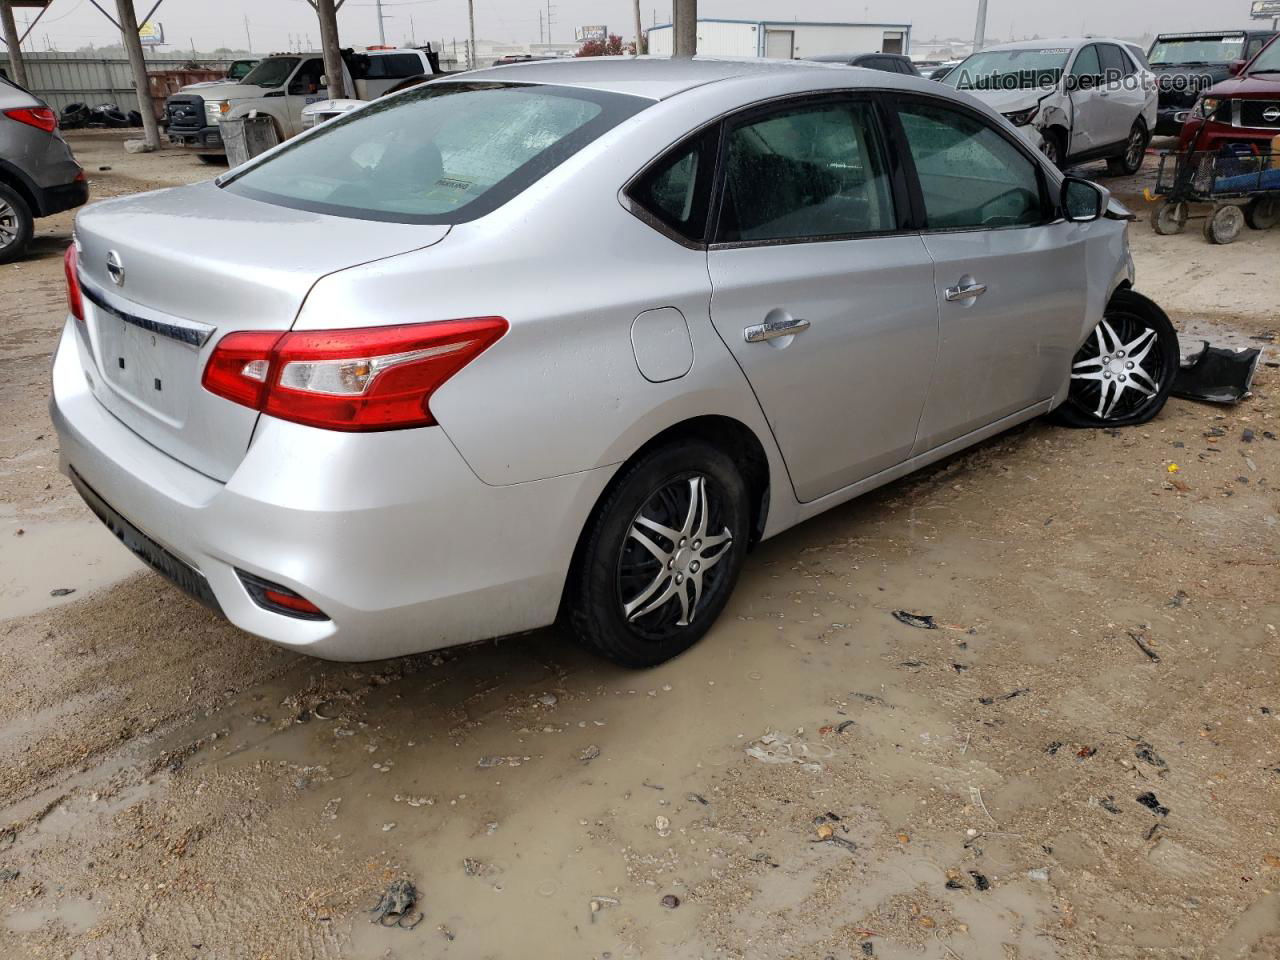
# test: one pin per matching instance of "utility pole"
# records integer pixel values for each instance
(327, 13)
(548, 21)
(16, 66)
(640, 39)
(980, 31)
(247, 35)
(133, 46)
(684, 17)
(540, 36)
(471, 50)
(382, 32)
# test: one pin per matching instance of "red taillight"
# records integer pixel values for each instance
(291, 601)
(71, 266)
(40, 117)
(373, 378)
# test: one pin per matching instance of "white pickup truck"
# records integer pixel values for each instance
(280, 86)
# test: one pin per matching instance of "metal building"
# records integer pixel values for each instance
(787, 39)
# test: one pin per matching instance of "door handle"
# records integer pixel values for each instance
(967, 292)
(772, 329)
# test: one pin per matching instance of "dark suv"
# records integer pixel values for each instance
(889, 62)
(1188, 64)
(38, 174)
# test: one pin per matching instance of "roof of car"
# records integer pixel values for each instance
(1050, 44)
(654, 77)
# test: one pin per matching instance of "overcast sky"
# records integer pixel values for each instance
(273, 23)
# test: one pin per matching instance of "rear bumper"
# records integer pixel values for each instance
(390, 534)
(68, 196)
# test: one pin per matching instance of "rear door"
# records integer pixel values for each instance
(1009, 275)
(1122, 96)
(1088, 119)
(825, 300)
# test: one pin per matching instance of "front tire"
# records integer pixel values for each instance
(1122, 374)
(1135, 152)
(660, 555)
(16, 224)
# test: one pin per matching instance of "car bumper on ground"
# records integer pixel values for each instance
(209, 138)
(427, 557)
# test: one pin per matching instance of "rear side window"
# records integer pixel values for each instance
(439, 153)
(970, 175)
(1115, 64)
(806, 172)
(676, 190)
(394, 66)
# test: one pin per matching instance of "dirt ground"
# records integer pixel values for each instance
(816, 779)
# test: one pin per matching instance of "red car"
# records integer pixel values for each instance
(1243, 110)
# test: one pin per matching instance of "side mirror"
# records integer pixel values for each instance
(1082, 200)
(324, 81)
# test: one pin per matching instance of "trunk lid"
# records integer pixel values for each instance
(165, 275)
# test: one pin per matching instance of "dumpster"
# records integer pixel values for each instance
(246, 137)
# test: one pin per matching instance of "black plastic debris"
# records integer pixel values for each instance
(988, 701)
(918, 620)
(1149, 801)
(1108, 803)
(843, 726)
(1147, 754)
(980, 882)
(670, 901)
(1145, 647)
(868, 948)
(1246, 435)
(395, 907)
(62, 592)
(1053, 748)
(1216, 374)
(953, 883)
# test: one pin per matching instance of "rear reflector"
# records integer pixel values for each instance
(71, 266)
(40, 117)
(279, 599)
(371, 378)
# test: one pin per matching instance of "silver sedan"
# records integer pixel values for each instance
(564, 340)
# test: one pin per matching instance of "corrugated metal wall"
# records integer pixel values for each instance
(810, 40)
(62, 78)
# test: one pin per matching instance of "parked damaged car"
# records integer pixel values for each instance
(1075, 99)
(1188, 65)
(805, 282)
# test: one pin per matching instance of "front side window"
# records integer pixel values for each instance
(1087, 69)
(440, 153)
(970, 176)
(808, 172)
(271, 72)
(307, 79)
(677, 189)
(1268, 60)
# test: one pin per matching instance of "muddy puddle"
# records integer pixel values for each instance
(63, 555)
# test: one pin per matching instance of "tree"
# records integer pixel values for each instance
(605, 48)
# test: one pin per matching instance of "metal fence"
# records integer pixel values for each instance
(62, 78)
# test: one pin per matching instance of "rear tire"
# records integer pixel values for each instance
(16, 224)
(1135, 152)
(1122, 374)
(1225, 225)
(640, 597)
(1262, 213)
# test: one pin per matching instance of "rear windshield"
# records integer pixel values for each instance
(445, 152)
(1197, 50)
(271, 72)
(1025, 69)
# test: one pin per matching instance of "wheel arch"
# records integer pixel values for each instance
(13, 178)
(726, 433)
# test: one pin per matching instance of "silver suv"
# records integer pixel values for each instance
(38, 174)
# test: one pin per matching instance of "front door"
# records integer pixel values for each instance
(1088, 108)
(304, 88)
(1009, 277)
(827, 306)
